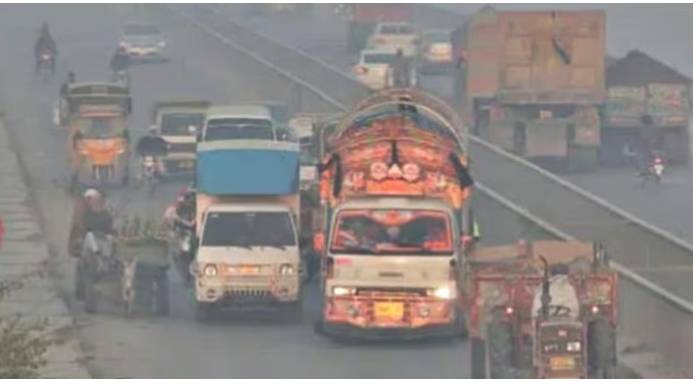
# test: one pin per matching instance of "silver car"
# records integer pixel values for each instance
(143, 42)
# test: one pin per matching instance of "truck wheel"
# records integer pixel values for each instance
(203, 311)
(79, 280)
(478, 358)
(500, 342)
(601, 348)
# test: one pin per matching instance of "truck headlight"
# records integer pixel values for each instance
(342, 291)
(443, 293)
(210, 270)
(287, 269)
(573, 346)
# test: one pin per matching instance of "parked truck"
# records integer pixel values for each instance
(393, 188)
(247, 214)
(364, 17)
(647, 109)
(534, 82)
(546, 309)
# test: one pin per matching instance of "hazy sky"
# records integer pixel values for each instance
(664, 31)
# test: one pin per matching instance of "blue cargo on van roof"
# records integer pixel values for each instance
(248, 167)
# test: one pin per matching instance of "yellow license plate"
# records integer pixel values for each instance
(562, 363)
(249, 270)
(186, 164)
(389, 311)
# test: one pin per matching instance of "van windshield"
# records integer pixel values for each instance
(239, 129)
(249, 229)
(388, 232)
(140, 29)
(178, 124)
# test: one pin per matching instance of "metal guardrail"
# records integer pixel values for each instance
(313, 66)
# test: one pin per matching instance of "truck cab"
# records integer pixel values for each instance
(391, 267)
(248, 254)
(239, 123)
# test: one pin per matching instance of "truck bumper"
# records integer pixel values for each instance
(372, 333)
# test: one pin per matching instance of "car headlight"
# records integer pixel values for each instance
(343, 291)
(286, 269)
(444, 293)
(210, 270)
(573, 346)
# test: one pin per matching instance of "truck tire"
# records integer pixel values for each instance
(500, 344)
(601, 348)
(478, 358)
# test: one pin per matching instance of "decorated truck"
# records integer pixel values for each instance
(247, 214)
(394, 185)
(547, 309)
(534, 82)
(648, 108)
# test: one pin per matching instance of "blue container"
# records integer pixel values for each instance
(248, 167)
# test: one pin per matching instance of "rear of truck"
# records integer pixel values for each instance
(535, 82)
(510, 335)
(248, 220)
(393, 188)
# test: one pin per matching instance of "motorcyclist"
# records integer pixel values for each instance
(400, 70)
(89, 215)
(44, 43)
(71, 78)
(120, 60)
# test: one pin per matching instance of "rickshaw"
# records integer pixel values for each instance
(99, 139)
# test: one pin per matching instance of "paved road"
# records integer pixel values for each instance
(146, 347)
(177, 346)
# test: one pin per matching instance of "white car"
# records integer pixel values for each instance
(395, 36)
(374, 69)
(143, 42)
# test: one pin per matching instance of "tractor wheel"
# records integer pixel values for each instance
(601, 349)
(478, 358)
(500, 343)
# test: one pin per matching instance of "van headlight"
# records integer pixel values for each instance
(210, 270)
(573, 346)
(287, 269)
(444, 293)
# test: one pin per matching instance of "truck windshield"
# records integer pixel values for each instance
(239, 129)
(389, 232)
(378, 58)
(100, 128)
(178, 124)
(249, 229)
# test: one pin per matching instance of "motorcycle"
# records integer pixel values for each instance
(151, 173)
(654, 171)
(45, 65)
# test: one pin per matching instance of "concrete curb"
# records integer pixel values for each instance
(26, 251)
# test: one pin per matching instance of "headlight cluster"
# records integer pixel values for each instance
(287, 269)
(444, 293)
(210, 270)
(573, 346)
(550, 348)
(343, 291)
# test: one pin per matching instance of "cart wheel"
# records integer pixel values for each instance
(79, 281)
(161, 295)
(90, 294)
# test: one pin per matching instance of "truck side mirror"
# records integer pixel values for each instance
(319, 243)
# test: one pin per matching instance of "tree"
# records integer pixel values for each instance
(23, 342)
